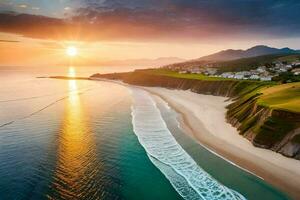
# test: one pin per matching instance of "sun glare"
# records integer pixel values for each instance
(71, 51)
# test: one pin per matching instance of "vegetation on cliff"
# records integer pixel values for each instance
(267, 115)
(283, 97)
(169, 73)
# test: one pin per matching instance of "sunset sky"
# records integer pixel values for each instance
(37, 32)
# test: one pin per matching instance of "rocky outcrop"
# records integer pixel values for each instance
(273, 129)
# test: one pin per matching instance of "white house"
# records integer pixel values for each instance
(266, 78)
(239, 76)
(261, 69)
(254, 76)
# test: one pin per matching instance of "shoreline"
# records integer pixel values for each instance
(281, 172)
(274, 168)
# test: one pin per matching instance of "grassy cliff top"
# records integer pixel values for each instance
(166, 72)
(284, 97)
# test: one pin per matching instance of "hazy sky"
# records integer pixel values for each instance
(121, 29)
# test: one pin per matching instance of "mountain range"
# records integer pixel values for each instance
(238, 57)
(259, 50)
(143, 62)
(221, 56)
(126, 62)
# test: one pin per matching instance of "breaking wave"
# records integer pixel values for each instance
(188, 179)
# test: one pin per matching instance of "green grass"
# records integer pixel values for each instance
(166, 72)
(251, 87)
(283, 97)
(249, 110)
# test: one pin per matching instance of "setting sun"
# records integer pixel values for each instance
(71, 51)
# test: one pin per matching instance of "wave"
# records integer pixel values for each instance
(188, 179)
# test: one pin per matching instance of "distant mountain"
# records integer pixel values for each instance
(144, 62)
(252, 62)
(259, 50)
(158, 62)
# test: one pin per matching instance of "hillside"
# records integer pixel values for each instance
(265, 113)
(246, 64)
(243, 64)
(239, 60)
(259, 50)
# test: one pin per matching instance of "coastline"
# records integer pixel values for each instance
(200, 114)
(276, 169)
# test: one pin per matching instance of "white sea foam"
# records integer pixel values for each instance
(189, 179)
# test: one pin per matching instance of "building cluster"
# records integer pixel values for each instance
(206, 70)
(262, 73)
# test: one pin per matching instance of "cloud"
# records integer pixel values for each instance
(164, 20)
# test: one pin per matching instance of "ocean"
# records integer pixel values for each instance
(80, 139)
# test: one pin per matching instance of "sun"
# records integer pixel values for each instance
(71, 51)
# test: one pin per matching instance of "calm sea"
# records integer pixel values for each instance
(79, 139)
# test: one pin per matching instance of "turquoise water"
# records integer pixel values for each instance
(75, 140)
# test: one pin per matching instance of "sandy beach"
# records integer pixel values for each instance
(203, 117)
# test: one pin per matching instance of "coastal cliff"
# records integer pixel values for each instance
(274, 129)
(265, 127)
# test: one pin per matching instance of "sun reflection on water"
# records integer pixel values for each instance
(76, 151)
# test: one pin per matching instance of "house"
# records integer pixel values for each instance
(282, 69)
(296, 71)
(239, 76)
(261, 69)
(211, 71)
(266, 78)
(254, 77)
(295, 64)
(195, 71)
(288, 66)
(227, 75)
